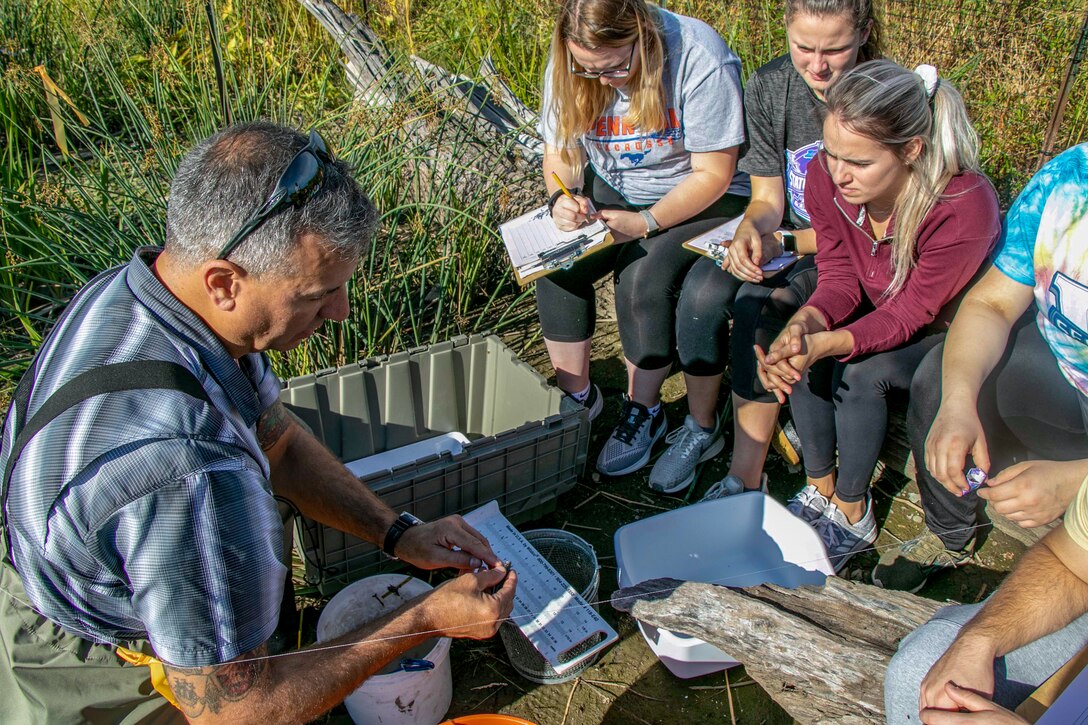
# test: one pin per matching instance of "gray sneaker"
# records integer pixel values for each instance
(689, 445)
(628, 448)
(731, 486)
(843, 539)
(808, 504)
(908, 567)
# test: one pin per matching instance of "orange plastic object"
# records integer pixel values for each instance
(487, 720)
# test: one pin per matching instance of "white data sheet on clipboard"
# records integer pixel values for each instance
(561, 625)
(715, 242)
(536, 247)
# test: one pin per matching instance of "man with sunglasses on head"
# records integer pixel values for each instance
(146, 447)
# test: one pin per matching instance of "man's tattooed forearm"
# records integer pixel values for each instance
(213, 688)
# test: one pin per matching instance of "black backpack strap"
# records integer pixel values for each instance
(135, 375)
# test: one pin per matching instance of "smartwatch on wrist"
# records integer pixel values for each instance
(404, 522)
(789, 242)
(651, 223)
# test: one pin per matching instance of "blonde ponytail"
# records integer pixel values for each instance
(890, 104)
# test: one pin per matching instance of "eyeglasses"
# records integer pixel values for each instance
(298, 183)
(615, 73)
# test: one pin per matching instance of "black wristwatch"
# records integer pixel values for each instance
(558, 193)
(404, 522)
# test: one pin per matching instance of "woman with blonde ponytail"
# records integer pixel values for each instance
(642, 117)
(904, 220)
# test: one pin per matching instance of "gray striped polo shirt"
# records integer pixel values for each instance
(148, 514)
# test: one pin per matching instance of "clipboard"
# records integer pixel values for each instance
(715, 243)
(536, 247)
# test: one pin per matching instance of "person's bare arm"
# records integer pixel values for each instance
(1047, 590)
(305, 472)
(300, 686)
(974, 345)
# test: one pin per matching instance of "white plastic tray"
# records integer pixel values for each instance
(742, 540)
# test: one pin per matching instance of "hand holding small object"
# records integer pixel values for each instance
(509, 567)
(976, 479)
(469, 606)
(448, 542)
(1034, 493)
(569, 211)
(956, 432)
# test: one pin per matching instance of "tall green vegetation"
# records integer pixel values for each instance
(143, 78)
(141, 74)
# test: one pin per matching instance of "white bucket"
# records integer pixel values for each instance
(391, 696)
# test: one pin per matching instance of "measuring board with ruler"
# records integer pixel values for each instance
(556, 619)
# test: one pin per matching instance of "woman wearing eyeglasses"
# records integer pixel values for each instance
(642, 118)
(903, 220)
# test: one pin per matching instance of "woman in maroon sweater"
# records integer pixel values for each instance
(903, 221)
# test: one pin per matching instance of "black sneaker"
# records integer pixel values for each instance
(631, 443)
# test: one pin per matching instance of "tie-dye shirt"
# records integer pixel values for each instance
(1045, 246)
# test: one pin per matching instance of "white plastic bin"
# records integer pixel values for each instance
(392, 696)
(740, 541)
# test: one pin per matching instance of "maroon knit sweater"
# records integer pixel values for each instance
(855, 269)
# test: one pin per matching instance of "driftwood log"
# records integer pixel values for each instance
(819, 652)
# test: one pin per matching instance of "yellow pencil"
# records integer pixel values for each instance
(562, 186)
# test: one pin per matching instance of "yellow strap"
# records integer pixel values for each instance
(158, 672)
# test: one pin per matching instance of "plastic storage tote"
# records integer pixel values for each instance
(527, 442)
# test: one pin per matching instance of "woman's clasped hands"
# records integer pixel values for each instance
(803, 341)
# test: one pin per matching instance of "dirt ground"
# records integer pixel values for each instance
(628, 684)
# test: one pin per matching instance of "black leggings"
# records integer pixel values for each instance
(841, 407)
(648, 275)
(1027, 408)
(760, 311)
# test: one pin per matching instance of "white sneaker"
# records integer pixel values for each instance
(731, 486)
(842, 538)
(808, 504)
(631, 443)
(689, 445)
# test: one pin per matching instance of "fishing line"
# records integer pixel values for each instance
(318, 647)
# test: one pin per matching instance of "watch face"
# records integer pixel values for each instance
(411, 519)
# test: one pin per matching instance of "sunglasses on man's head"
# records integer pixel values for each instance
(299, 182)
(594, 74)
